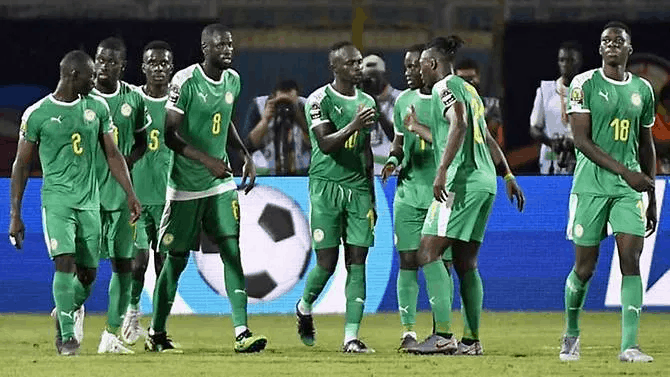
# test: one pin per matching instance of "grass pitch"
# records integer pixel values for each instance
(515, 344)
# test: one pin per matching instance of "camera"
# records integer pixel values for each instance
(284, 113)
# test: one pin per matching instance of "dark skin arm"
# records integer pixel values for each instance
(20, 173)
(458, 126)
(396, 150)
(119, 169)
(412, 123)
(249, 169)
(513, 189)
(581, 126)
(369, 167)
(647, 154)
(138, 150)
(331, 140)
(386, 124)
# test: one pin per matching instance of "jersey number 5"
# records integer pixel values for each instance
(621, 129)
(351, 141)
(76, 144)
(153, 140)
(478, 109)
(216, 124)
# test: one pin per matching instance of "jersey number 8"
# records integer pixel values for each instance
(153, 140)
(216, 124)
(76, 144)
(621, 129)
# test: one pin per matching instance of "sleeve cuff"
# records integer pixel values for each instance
(582, 111)
(318, 123)
(174, 108)
(649, 125)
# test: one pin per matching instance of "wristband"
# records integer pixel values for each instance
(392, 160)
(508, 177)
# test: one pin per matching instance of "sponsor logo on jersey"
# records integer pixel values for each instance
(635, 99)
(89, 115)
(315, 111)
(318, 235)
(173, 94)
(577, 96)
(203, 96)
(126, 110)
(229, 98)
(447, 97)
(57, 119)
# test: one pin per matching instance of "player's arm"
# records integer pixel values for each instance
(396, 154)
(19, 177)
(174, 141)
(331, 140)
(581, 127)
(119, 169)
(457, 129)
(249, 169)
(385, 123)
(647, 153)
(140, 135)
(513, 189)
(412, 123)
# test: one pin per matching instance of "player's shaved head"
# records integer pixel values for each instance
(336, 50)
(209, 31)
(75, 61)
(115, 44)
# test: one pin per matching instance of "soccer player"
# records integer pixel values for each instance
(128, 116)
(201, 193)
(611, 112)
(341, 190)
(414, 193)
(68, 127)
(464, 189)
(150, 178)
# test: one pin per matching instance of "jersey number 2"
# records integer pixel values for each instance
(76, 144)
(216, 124)
(153, 140)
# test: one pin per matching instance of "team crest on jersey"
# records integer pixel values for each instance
(229, 98)
(53, 244)
(167, 239)
(315, 111)
(173, 93)
(579, 230)
(89, 115)
(577, 96)
(636, 99)
(126, 110)
(318, 235)
(447, 97)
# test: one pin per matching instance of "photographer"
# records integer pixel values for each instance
(275, 130)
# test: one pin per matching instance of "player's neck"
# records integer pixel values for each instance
(155, 91)
(565, 81)
(106, 88)
(211, 71)
(346, 88)
(64, 93)
(615, 72)
(425, 90)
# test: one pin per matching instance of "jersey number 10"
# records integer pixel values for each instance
(621, 129)
(351, 141)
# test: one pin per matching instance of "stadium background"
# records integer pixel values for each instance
(525, 257)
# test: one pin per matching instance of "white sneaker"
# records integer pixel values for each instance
(132, 330)
(634, 355)
(109, 343)
(569, 348)
(79, 323)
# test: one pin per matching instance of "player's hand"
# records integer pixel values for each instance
(387, 171)
(411, 120)
(365, 117)
(218, 167)
(439, 186)
(135, 208)
(16, 232)
(639, 181)
(652, 217)
(514, 191)
(248, 171)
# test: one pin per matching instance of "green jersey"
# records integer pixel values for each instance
(128, 116)
(207, 106)
(150, 173)
(347, 165)
(618, 109)
(415, 182)
(472, 169)
(67, 134)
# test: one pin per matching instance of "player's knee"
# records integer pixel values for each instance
(629, 263)
(408, 260)
(86, 276)
(65, 263)
(585, 271)
(327, 260)
(122, 266)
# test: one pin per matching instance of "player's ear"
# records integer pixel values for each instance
(433, 64)
(630, 50)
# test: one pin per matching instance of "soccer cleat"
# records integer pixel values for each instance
(160, 342)
(79, 324)
(569, 348)
(249, 343)
(635, 355)
(408, 341)
(306, 329)
(435, 344)
(474, 349)
(59, 341)
(110, 343)
(70, 347)
(131, 330)
(356, 346)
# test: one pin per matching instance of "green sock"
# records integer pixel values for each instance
(631, 309)
(119, 297)
(63, 292)
(575, 293)
(472, 298)
(166, 289)
(233, 275)
(408, 291)
(316, 281)
(354, 291)
(439, 286)
(81, 292)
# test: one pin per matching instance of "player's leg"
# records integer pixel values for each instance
(628, 222)
(179, 234)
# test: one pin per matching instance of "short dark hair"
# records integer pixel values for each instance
(338, 45)
(618, 25)
(419, 47)
(210, 29)
(665, 92)
(157, 45)
(447, 46)
(113, 43)
(286, 86)
(571, 45)
(468, 63)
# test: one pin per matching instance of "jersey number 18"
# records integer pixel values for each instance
(621, 129)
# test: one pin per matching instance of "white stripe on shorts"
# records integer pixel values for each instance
(444, 214)
(47, 239)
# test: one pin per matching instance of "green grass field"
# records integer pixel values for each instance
(515, 344)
